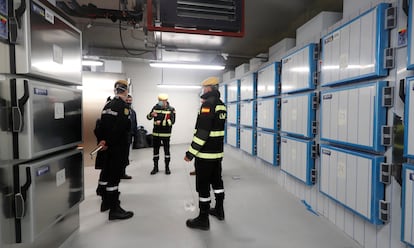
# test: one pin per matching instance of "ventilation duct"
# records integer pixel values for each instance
(213, 17)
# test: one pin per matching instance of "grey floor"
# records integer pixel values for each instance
(259, 213)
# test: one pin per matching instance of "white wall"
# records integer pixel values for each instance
(144, 80)
(96, 87)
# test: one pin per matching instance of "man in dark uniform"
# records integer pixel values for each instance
(207, 149)
(133, 133)
(114, 137)
(164, 118)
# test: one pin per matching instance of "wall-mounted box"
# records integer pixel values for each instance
(267, 146)
(232, 134)
(299, 70)
(296, 158)
(267, 113)
(353, 180)
(233, 113)
(247, 140)
(49, 46)
(233, 93)
(248, 87)
(247, 113)
(409, 119)
(268, 80)
(355, 50)
(297, 114)
(407, 217)
(354, 115)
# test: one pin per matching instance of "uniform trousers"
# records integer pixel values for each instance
(208, 172)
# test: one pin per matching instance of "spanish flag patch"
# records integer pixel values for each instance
(205, 110)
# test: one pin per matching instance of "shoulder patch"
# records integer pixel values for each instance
(126, 111)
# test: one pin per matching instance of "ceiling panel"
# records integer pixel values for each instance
(266, 23)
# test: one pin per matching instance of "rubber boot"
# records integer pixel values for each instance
(100, 190)
(116, 212)
(202, 221)
(218, 210)
(155, 169)
(167, 166)
(105, 205)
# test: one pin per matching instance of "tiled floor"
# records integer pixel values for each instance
(259, 213)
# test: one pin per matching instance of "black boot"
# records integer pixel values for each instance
(105, 205)
(201, 221)
(167, 166)
(116, 212)
(155, 169)
(100, 190)
(218, 210)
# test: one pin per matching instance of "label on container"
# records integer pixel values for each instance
(42, 171)
(60, 177)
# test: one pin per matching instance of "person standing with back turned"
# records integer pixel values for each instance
(164, 118)
(207, 149)
(115, 131)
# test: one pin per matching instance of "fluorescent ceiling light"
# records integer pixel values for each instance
(178, 86)
(186, 66)
(92, 62)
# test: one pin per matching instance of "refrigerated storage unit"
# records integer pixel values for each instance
(409, 119)
(297, 158)
(352, 179)
(348, 56)
(355, 116)
(267, 148)
(297, 115)
(407, 217)
(40, 129)
(299, 70)
(268, 80)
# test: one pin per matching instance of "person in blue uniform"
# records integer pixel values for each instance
(114, 137)
(163, 115)
(207, 150)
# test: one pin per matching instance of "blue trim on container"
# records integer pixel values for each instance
(312, 68)
(275, 146)
(310, 162)
(237, 133)
(382, 41)
(252, 138)
(276, 80)
(410, 65)
(403, 201)
(310, 118)
(379, 117)
(275, 116)
(407, 107)
(237, 84)
(254, 87)
(377, 188)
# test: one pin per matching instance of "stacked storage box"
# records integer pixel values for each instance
(353, 114)
(408, 168)
(268, 81)
(247, 113)
(233, 124)
(297, 115)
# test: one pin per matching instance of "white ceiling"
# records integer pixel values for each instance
(266, 23)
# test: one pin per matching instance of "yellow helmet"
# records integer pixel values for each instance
(121, 84)
(210, 81)
(162, 97)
